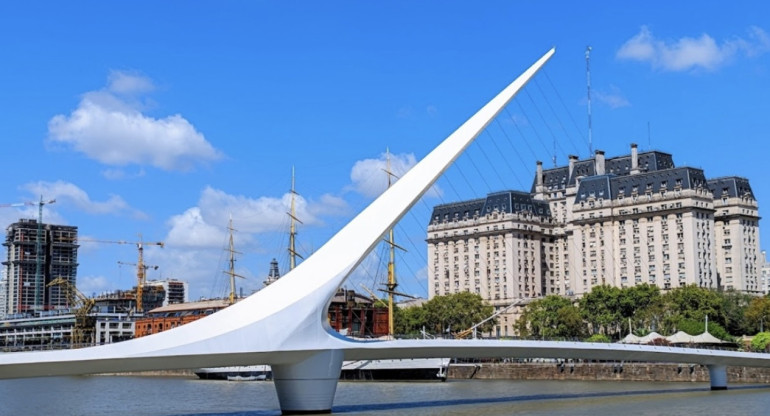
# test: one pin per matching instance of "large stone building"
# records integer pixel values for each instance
(765, 273)
(620, 221)
(35, 256)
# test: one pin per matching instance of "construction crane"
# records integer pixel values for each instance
(38, 246)
(83, 330)
(141, 268)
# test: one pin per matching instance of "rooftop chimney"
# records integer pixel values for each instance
(634, 159)
(599, 161)
(572, 160)
(539, 174)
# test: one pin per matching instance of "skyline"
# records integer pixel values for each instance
(166, 120)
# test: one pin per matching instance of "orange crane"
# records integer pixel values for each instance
(141, 268)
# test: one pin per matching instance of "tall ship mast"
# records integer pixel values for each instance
(231, 270)
(293, 227)
(274, 274)
(392, 246)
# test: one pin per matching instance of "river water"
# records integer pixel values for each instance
(181, 396)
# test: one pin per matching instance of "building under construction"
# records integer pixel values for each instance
(37, 254)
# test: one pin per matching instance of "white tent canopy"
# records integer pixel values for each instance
(630, 339)
(680, 337)
(652, 336)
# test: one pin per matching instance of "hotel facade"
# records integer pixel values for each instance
(619, 221)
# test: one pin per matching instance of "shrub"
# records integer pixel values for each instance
(761, 342)
(598, 338)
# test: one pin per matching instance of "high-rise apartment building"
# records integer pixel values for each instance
(35, 256)
(620, 221)
(765, 273)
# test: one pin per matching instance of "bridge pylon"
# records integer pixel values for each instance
(308, 386)
(718, 376)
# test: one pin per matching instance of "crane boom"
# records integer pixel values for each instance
(141, 269)
(82, 331)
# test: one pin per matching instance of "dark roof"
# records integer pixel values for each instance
(611, 186)
(459, 210)
(730, 186)
(558, 178)
(503, 201)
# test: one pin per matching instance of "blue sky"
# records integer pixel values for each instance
(165, 118)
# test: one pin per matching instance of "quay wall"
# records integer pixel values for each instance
(603, 372)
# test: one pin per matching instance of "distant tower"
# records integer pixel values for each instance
(3, 294)
(274, 273)
(35, 255)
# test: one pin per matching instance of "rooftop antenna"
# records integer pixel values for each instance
(588, 84)
(649, 136)
(554, 152)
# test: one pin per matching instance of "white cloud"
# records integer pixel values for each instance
(614, 98)
(328, 205)
(189, 229)
(369, 179)
(258, 215)
(368, 176)
(197, 237)
(108, 126)
(688, 53)
(68, 193)
(89, 285)
(119, 174)
(126, 83)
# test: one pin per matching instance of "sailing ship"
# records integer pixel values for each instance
(394, 369)
(234, 373)
(361, 370)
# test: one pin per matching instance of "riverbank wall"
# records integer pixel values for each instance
(604, 371)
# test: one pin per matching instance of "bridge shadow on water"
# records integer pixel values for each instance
(355, 408)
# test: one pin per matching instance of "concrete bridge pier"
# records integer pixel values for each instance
(718, 376)
(308, 386)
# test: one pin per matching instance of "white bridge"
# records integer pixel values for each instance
(285, 325)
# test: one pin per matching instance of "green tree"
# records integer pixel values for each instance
(549, 318)
(457, 312)
(601, 309)
(408, 321)
(643, 305)
(734, 306)
(757, 314)
(761, 342)
(599, 338)
(692, 302)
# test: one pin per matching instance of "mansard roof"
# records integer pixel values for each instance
(559, 178)
(513, 202)
(503, 201)
(613, 186)
(731, 187)
(459, 210)
(555, 178)
(647, 162)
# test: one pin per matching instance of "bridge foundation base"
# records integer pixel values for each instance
(308, 386)
(718, 376)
